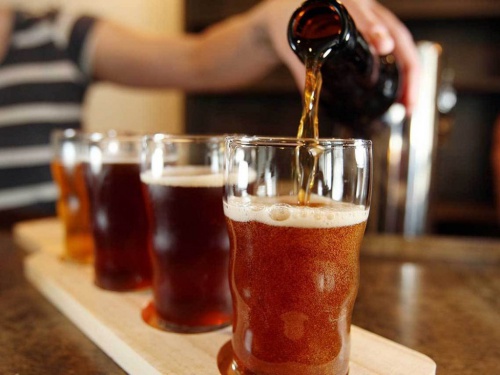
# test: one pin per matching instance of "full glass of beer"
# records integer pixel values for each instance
(72, 204)
(182, 179)
(296, 211)
(118, 212)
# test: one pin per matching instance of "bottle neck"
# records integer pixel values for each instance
(323, 30)
(357, 85)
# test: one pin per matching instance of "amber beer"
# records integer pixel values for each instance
(72, 204)
(190, 249)
(294, 264)
(292, 306)
(183, 185)
(73, 210)
(119, 221)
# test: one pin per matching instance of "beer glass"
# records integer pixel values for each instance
(295, 226)
(182, 179)
(72, 203)
(118, 213)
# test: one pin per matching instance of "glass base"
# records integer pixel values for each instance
(128, 286)
(150, 316)
(225, 360)
(228, 366)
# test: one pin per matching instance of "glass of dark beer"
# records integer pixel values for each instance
(118, 212)
(296, 211)
(72, 203)
(182, 179)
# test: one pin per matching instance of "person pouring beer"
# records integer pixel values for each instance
(44, 76)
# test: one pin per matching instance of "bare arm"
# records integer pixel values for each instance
(228, 55)
(239, 50)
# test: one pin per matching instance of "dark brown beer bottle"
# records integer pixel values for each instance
(358, 85)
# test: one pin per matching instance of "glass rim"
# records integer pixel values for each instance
(294, 142)
(113, 134)
(103, 137)
(185, 138)
(62, 135)
(71, 132)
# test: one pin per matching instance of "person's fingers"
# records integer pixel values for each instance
(370, 25)
(406, 54)
(387, 34)
(380, 27)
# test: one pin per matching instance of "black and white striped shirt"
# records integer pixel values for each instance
(43, 79)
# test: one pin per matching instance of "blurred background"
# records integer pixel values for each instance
(112, 107)
(462, 190)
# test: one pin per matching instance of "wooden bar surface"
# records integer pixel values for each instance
(112, 320)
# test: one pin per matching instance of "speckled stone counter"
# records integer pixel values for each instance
(35, 338)
(439, 296)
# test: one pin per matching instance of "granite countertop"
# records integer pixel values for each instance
(439, 296)
(35, 338)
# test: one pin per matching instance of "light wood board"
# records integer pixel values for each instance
(113, 321)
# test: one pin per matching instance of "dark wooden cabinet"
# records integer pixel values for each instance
(469, 32)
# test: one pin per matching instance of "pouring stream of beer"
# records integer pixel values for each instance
(308, 127)
(307, 154)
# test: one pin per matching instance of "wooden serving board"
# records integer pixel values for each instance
(113, 320)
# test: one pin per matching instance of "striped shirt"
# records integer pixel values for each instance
(43, 79)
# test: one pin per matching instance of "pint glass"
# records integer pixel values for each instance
(294, 262)
(183, 180)
(119, 222)
(72, 204)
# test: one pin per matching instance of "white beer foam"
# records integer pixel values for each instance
(185, 176)
(271, 212)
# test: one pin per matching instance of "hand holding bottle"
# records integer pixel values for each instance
(236, 51)
(377, 24)
(388, 34)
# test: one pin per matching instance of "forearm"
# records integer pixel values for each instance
(231, 54)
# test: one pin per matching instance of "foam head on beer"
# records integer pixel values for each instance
(322, 212)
